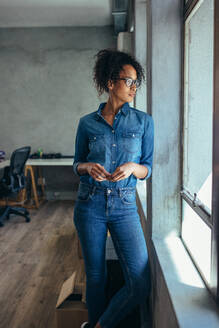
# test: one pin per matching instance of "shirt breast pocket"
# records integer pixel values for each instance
(97, 146)
(132, 142)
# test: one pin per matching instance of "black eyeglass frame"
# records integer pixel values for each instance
(134, 82)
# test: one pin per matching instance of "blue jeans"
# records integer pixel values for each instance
(96, 210)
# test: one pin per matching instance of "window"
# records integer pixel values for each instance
(199, 146)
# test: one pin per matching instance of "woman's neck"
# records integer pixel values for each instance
(112, 107)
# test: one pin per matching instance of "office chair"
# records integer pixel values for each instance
(12, 182)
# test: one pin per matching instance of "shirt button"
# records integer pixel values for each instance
(114, 145)
(133, 135)
(113, 131)
(115, 118)
(113, 162)
(108, 191)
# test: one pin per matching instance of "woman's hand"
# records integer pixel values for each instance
(97, 172)
(122, 172)
(125, 170)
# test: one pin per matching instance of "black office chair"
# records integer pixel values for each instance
(12, 182)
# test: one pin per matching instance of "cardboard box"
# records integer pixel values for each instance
(71, 310)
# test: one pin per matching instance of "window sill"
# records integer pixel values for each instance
(192, 303)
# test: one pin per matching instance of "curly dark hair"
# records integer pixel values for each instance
(108, 65)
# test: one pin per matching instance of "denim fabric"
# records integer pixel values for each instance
(130, 139)
(96, 210)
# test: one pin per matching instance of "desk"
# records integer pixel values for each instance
(43, 162)
(30, 165)
(50, 162)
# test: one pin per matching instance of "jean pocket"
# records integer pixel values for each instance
(128, 197)
(84, 195)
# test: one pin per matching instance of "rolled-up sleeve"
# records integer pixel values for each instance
(148, 146)
(81, 147)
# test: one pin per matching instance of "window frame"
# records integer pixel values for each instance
(211, 219)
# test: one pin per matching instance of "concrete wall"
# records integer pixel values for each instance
(140, 51)
(165, 106)
(164, 102)
(45, 87)
(163, 96)
(31, 13)
(46, 84)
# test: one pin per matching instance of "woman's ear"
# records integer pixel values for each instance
(110, 84)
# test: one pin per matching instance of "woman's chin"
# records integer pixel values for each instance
(130, 98)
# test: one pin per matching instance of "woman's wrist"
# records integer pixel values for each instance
(82, 168)
(139, 171)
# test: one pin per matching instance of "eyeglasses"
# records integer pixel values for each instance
(130, 82)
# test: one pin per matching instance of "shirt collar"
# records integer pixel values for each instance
(124, 109)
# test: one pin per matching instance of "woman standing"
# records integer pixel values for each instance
(114, 147)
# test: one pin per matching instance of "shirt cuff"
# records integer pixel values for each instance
(75, 168)
(148, 174)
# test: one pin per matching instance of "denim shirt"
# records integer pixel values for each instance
(130, 139)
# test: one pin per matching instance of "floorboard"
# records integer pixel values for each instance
(35, 259)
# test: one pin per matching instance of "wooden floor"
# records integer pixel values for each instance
(35, 259)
